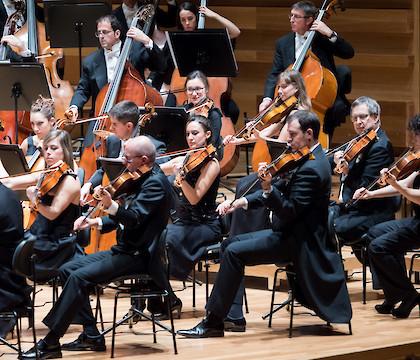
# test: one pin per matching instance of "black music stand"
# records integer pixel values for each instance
(21, 84)
(72, 23)
(276, 148)
(208, 50)
(113, 167)
(168, 126)
(14, 162)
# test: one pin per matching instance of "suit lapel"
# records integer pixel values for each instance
(290, 49)
(101, 74)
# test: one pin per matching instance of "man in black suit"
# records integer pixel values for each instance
(14, 292)
(139, 222)
(124, 125)
(99, 67)
(326, 44)
(300, 235)
(352, 223)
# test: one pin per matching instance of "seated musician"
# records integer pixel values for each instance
(42, 121)
(389, 241)
(352, 223)
(99, 67)
(124, 125)
(57, 209)
(143, 216)
(195, 223)
(197, 87)
(300, 208)
(326, 44)
(14, 292)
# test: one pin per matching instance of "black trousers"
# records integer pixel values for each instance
(389, 242)
(79, 277)
(261, 247)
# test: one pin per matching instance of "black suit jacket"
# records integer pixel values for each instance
(301, 209)
(364, 169)
(321, 46)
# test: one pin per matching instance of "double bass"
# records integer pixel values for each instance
(126, 85)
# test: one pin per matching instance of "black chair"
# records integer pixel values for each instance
(14, 316)
(414, 256)
(142, 287)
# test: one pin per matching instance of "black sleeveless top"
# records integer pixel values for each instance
(416, 208)
(31, 147)
(205, 210)
(61, 226)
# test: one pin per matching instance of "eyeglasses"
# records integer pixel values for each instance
(103, 32)
(190, 90)
(294, 16)
(362, 117)
(129, 161)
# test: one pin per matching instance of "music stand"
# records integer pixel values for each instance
(21, 84)
(276, 148)
(202, 50)
(14, 162)
(113, 167)
(168, 126)
(72, 23)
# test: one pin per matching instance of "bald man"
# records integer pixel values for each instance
(139, 221)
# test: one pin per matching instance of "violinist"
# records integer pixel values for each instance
(299, 233)
(57, 209)
(99, 67)
(290, 82)
(42, 121)
(326, 44)
(197, 87)
(124, 125)
(196, 224)
(389, 241)
(140, 219)
(351, 223)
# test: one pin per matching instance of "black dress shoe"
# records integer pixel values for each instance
(235, 325)
(202, 330)
(45, 351)
(84, 343)
(384, 308)
(403, 311)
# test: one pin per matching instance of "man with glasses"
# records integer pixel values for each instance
(99, 67)
(139, 219)
(353, 222)
(326, 44)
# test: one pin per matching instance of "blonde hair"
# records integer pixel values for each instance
(295, 78)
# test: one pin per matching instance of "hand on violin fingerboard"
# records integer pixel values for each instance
(84, 222)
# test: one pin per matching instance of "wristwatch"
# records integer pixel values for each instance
(333, 36)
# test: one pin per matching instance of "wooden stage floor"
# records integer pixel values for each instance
(374, 336)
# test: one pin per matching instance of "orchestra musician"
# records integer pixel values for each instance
(195, 223)
(197, 87)
(389, 241)
(99, 67)
(124, 125)
(14, 292)
(143, 216)
(300, 211)
(326, 44)
(42, 121)
(351, 223)
(57, 209)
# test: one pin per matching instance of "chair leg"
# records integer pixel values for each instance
(350, 329)
(246, 302)
(292, 308)
(364, 280)
(273, 293)
(171, 317)
(154, 324)
(193, 282)
(114, 324)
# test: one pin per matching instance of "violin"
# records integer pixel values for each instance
(49, 180)
(194, 161)
(401, 168)
(202, 108)
(286, 162)
(274, 113)
(355, 147)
